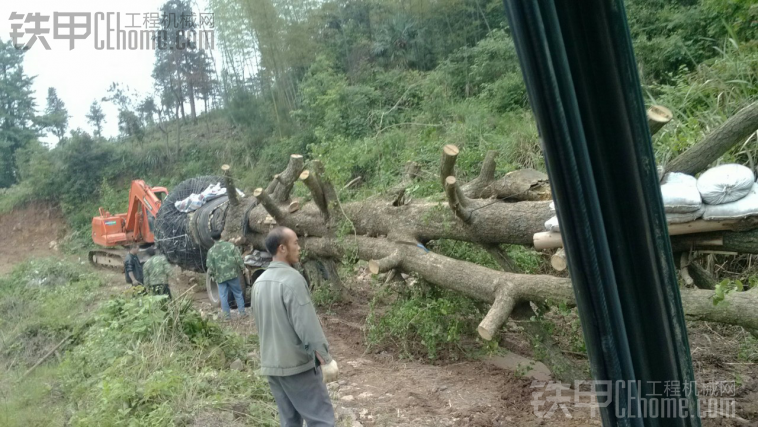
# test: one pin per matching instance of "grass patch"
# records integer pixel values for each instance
(425, 322)
(134, 360)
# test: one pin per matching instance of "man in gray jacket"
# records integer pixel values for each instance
(294, 351)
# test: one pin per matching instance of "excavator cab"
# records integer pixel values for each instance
(134, 226)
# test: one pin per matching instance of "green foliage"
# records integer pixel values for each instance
(17, 111)
(429, 322)
(527, 260)
(56, 115)
(136, 360)
(466, 251)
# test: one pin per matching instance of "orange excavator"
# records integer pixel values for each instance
(134, 226)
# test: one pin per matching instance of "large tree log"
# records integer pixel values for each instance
(488, 285)
(733, 131)
(491, 221)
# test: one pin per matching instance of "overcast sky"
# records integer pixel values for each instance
(83, 74)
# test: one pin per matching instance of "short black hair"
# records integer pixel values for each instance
(274, 239)
(216, 236)
(150, 251)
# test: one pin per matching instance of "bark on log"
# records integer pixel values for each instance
(317, 193)
(288, 178)
(498, 222)
(701, 278)
(270, 205)
(457, 201)
(485, 178)
(447, 165)
(717, 143)
(231, 189)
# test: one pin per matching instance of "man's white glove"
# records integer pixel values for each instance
(330, 371)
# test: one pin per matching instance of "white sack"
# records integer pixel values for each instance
(725, 184)
(552, 225)
(680, 193)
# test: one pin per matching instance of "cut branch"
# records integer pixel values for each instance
(447, 168)
(385, 264)
(314, 186)
(287, 178)
(701, 278)
(457, 201)
(231, 190)
(499, 312)
(486, 176)
(657, 117)
(273, 184)
(269, 205)
(558, 260)
(717, 143)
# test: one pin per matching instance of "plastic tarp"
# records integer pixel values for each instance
(195, 200)
(725, 184)
(680, 194)
(744, 207)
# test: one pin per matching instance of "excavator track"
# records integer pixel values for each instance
(112, 259)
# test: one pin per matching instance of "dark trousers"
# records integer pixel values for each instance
(303, 397)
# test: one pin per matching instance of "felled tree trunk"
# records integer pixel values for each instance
(506, 290)
(391, 237)
(717, 143)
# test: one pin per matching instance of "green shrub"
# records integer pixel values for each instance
(428, 322)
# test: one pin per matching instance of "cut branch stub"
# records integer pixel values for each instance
(294, 206)
(272, 185)
(314, 186)
(447, 168)
(558, 260)
(657, 116)
(499, 312)
(231, 190)
(269, 204)
(288, 178)
(457, 201)
(377, 266)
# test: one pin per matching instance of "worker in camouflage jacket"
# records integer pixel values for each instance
(156, 272)
(225, 264)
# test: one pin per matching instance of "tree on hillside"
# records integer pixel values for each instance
(96, 118)
(147, 110)
(131, 126)
(56, 115)
(17, 115)
(177, 62)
